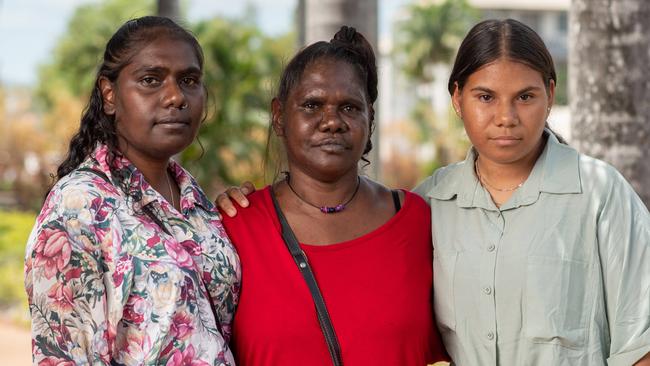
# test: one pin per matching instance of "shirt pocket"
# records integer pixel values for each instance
(444, 273)
(556, 301)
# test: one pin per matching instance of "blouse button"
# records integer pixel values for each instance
(490, 248)
(487, 290)
(490, 335)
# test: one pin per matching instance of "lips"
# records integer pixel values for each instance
(172, 121)
(506, 140)
(332, 145)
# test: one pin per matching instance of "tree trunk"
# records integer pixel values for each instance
(169, 9)
(609, 61)
(320, 19)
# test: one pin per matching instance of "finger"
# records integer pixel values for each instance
(225, 204)
(247, 188)
(235, 194)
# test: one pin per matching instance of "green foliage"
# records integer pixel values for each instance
(78, 53)
(14, 232)
(431, 34)
(562, 89)
(241, 68)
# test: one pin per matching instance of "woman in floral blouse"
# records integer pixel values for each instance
(128, 263)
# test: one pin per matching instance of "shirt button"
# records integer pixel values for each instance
(490, 335)
(487, 290)
(490, 248)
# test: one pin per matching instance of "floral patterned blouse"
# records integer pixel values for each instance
(117, 278)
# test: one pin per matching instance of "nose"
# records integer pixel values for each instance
(173, 96)
(507, 115)
(332, 121)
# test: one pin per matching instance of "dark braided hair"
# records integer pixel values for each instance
(96, 126)
(349, 46)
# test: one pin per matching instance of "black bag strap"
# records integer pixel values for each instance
(396, 201)
(303, 265)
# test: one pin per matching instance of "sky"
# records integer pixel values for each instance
(29, 29)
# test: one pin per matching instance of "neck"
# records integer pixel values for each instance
(314, 192)
(508, 175)
(156, 173)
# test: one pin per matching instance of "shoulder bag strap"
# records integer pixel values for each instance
(396, 202)
(303, 265)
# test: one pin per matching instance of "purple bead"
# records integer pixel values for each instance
(329, 209)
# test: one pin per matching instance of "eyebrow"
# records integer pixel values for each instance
(159, 69)
(524, 90)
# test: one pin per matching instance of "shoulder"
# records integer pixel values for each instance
(415, 200)
(78, 208)
(80, 194)
(600, 178)
(613, 196)
(417, 209)
(260, 205)
(253, 223)
(435, 180)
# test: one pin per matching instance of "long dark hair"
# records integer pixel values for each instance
(349, 46)
(492, 39)
(96, 126)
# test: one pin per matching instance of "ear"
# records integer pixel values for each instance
(276, 117)
(107, 89)
(551, 96)
(455, 100)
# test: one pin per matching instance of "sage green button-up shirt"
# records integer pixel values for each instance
(559, 275)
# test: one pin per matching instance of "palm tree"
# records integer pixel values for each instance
(431, 34)
(609, 85)
(427, 37)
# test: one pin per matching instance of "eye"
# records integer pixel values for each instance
(190, 81)
(310, 105)
(149, 81)
(526, 97)
(350, 108)
(485, 98)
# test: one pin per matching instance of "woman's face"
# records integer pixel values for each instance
(325, 121)
(504, 106)
(157, 100)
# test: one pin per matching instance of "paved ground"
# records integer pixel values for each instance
(15, 346)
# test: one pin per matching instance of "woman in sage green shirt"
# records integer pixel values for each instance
(542, 254)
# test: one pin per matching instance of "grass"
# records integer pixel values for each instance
(14, 231)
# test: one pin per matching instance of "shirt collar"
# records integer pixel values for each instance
(556, 172)
(130, 180)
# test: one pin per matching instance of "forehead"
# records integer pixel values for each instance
(331, 75)
(166, 51)
(505, 73)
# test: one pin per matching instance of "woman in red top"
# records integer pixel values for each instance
(368, 247)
